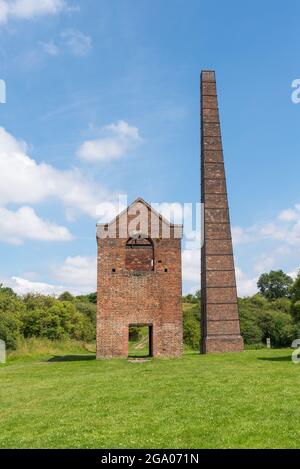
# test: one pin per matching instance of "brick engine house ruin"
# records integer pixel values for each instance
(139, 282)
(139, 263)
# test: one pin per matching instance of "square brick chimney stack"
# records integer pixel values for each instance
(220, 325)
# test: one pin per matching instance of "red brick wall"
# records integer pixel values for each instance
(150, 297)
(139, 257)
(219, 308)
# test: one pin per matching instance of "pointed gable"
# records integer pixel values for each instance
(139, 218)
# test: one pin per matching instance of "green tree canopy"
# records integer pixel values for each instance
(275, 284)
(295, 290)
(66, 296)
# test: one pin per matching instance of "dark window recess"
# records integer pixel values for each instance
(159, 262)
(113, 270)
(139, 254)
(166, 270)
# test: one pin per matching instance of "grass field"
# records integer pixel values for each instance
(65, 398)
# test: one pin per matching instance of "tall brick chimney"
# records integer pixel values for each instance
(220, 324)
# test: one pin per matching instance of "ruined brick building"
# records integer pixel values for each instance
(139, 263)
(139, 282)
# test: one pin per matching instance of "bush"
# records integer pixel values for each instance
(59, 321)
(281, 304)
(90, 298)
(87, 309)
(36, 301)
(135, 334)
(191, 325)
(250, 331)
(191, 333)
(11, 308)
(279, 327)
(10, 330)
(66, 296)
(295, 310)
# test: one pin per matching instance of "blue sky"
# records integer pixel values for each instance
(103, 98)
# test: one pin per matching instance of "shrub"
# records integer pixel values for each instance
(36, 301)
(135, 334)
(66, 296)
(11, 308)
(279, 327)
(90, 298)
(250, 331)
(10, 330)
(281, 304)
(88, 310)
(191, 325)
(191, 333)
(61, 320)
(295, 310)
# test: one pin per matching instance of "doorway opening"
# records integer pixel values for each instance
(140, 341)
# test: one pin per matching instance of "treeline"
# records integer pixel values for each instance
(272, 313)
(33, 315)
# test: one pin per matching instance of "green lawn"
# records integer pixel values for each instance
(241, 400)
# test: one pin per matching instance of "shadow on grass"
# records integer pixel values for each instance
(286, 358)
(71, 358)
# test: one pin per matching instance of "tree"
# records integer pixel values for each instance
(90, 298)
(66, 296)
(9, 291)
(11, 309)
(58, 322)
(295, 290)
(275, 284)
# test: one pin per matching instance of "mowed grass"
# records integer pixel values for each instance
(245, 400)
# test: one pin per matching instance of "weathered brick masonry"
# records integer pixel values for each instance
(219, 308)
(139, 282)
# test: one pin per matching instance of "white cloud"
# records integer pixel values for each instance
(24, 181)
(70, 41)
(123, 129)
(273, 260)
(240, 235)
(76, 42)
(119, 140)
(15, 227)
(76, 274)
(3, 11)
(22, 286)
(288, 215)
(245, 286)
(50, 48)
(294, 273)
(78, 271)
(29, 9)
(191, 265)
(285, 228)
(264, 263)
(191, 273)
